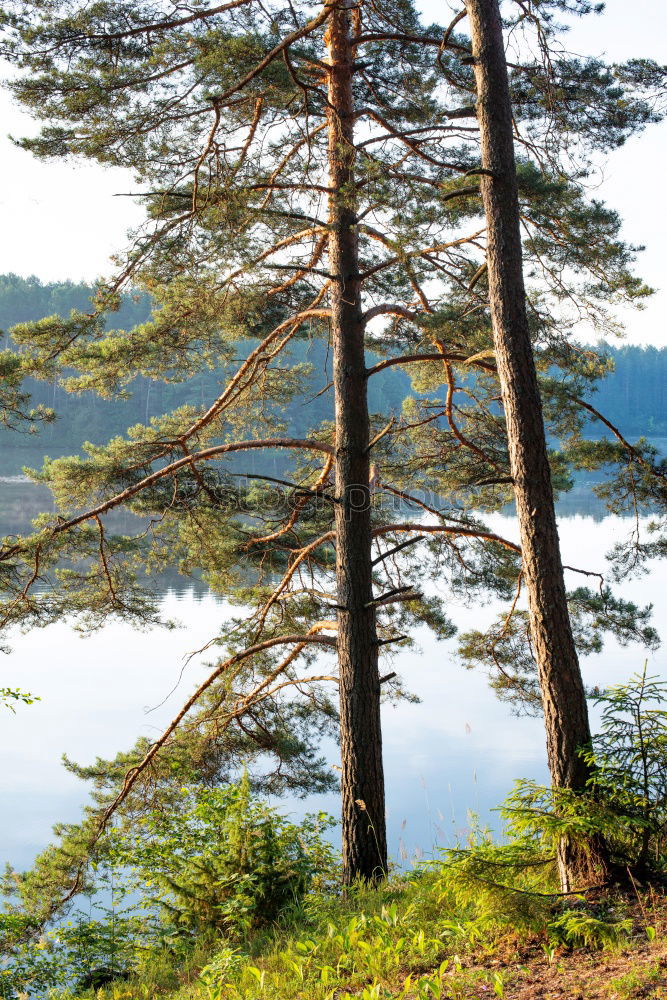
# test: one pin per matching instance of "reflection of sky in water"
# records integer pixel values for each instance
(459, 749)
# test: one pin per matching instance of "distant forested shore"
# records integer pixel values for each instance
(633, 396)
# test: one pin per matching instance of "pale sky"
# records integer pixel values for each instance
(61, 220)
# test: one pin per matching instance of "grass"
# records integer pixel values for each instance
(650, 981)
(414, 939)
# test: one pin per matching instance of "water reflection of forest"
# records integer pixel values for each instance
(21, 501)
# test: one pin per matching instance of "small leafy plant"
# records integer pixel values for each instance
(222, 860)
(580, 928)
(10, 697)
(626, 801)
(629, 755)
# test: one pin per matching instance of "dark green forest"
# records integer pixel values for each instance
(633, 396)
(88, 417)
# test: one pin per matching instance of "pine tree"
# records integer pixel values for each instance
(304, 176)
(561, 683)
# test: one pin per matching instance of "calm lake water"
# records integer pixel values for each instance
(459, 750)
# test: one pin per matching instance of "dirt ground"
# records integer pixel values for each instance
(592, 976)
(637, 971)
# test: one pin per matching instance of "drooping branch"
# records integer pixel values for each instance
(168, 470)
(132, 776)
(446, 529)
(407, 359)
(617, 434)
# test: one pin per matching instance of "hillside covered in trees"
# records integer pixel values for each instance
(633, 395)
(88, 416)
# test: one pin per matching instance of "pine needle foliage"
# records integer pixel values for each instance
(251, 186)
(222, 862)
(624, 806)
(630, 758)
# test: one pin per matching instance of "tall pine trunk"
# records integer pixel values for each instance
(561, 684)
(363, 807)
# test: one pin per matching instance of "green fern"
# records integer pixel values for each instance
(580, 928)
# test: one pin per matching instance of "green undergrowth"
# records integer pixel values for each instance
(420, 936)
(241, 904)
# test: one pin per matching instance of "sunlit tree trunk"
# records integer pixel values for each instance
(363, 808)
(561, 684)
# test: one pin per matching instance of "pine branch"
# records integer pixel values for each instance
(169, 470)
(132, 776)
(158, 26)
(654, 471)
(277, 50)
(444, 529)
(407, 359)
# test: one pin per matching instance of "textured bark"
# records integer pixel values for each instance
(363, 807)
(561, 684)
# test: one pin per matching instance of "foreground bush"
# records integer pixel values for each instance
(219, 861)
(223, 861)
